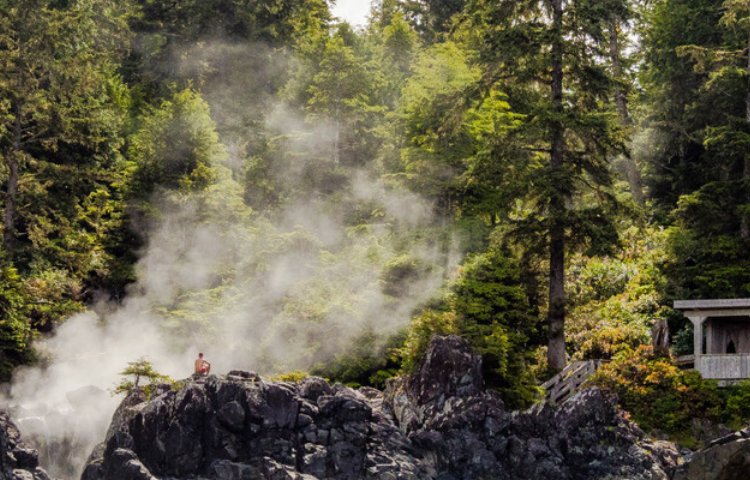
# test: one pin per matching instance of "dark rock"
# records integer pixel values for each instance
(449, 369)
(588, 437)
(87, 396)
(726, 458)
(17, 460)
(705, 431)
(438, 424)
(313, 387)
(232, 416)
(243, 375)
(124, 465)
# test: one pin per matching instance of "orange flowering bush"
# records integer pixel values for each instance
(658, 395)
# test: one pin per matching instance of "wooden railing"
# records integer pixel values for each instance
(566, 383)
(724, 367)
(684, 360)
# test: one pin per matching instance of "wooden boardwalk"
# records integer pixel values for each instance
(566, 383)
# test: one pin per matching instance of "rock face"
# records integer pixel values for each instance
(242, 427)
(727, 458)
(17, 460)
(439, 424)
(464, 432)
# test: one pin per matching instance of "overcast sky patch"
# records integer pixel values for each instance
(353, 11)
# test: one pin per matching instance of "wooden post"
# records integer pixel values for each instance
(698, 340)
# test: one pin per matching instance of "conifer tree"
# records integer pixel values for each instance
(546, 54)
(57, 85)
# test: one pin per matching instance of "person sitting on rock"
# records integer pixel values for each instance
(202, 366)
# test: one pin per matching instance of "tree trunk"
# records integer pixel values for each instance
(11, 193)
(745, 221)
(337, 133)
(621, 101)
(10, 203)
(556, 315)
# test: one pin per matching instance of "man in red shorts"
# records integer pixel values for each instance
(202, 366)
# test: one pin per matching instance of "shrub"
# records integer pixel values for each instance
(371, 361)
(488, 306)
(422, 328)
(15, 331)
(137, 371)
(658, 395)
(616, 298)
(294, 376)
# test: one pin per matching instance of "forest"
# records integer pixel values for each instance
(543, 178)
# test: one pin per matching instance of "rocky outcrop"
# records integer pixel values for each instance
(727, 458)
(17, 460)
(438, 424)
(467, 433)
(243, 427)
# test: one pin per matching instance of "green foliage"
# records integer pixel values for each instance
(421, 330)
(684, 341)
(488, 306)
(177, 146)
(15, 331)
(697, 83)
(137, 372)
(707, 257)
(497, 321)
(370, 361)
(294, 376)
(660, 396)
(400, 273)
(616, 299)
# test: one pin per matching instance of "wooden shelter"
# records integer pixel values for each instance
(721, 336)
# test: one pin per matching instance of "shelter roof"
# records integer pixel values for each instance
(729, 307)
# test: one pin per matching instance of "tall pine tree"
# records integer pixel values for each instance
(58, 87)
(547, 56)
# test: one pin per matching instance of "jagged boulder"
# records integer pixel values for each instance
(17, 460)
(449, 417)
(439, 424)
(727, 458)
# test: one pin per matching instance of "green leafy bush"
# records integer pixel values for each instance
(15, 331)
(294, 376)
(370, 361)
(487, 305)
(660, 396)
(616, 299)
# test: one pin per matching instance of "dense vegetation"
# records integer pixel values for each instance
(583, 164)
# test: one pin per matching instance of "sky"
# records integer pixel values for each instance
(353, 11)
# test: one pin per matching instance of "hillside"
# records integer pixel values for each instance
(294, 196)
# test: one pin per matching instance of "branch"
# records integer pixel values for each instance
(34, 138)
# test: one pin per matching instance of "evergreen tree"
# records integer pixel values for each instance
(703, 161)
(617, 28)
(58, 87)
(433, 17)
(548, 51)
(678, 111)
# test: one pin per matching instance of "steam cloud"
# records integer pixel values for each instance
(251, 292)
